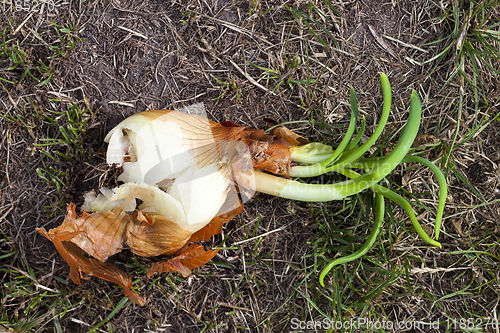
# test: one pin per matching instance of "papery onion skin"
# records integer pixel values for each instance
(100, 235)
(103, 234)
(155, 236)
(66, 243)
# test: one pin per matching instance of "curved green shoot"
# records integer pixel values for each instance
(387, 94)
(298, 154)
(379, 210)
(350, 130)
(295, 190)
(324, 167)
(348, 155)
(391, 195)
(354, 143)
(302, 171)
(402, 147)
(369, 163)
(443, 187)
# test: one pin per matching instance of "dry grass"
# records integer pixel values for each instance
(247, 61)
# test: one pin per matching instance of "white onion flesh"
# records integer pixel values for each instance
(169, 162)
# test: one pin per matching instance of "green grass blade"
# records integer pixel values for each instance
(118, 307)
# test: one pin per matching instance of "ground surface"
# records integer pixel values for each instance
(245, 61)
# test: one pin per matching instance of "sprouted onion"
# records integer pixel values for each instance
(184, 176)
